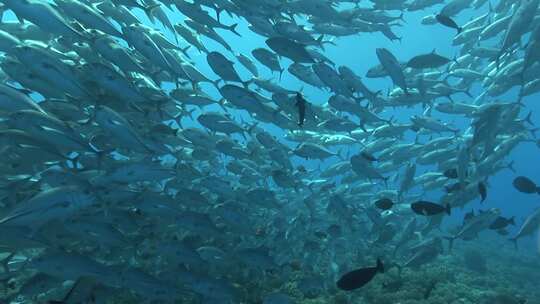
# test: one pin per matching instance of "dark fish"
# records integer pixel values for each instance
(301, 105)
(447, 21)
(482, 190)
(525, 185)
(429, 208)
(384, 203)
(451, 173)
(368, 156)
(360, 277)
(501, 223)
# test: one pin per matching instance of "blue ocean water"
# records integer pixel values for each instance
(358, 53)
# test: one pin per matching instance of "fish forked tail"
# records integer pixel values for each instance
(450, 242)
(380, 266)
(448, 209)
(232, 28)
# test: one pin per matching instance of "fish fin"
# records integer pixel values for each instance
(450, 242)
(380, 266)
(510, 166)
(528, 119)
(448, 209)
(232, 28)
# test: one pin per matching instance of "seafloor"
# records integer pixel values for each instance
(481, 271)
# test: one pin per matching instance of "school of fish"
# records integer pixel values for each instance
(129, 174)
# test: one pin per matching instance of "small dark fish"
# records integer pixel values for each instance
(501, 223)
(483, 191)
(301, 105)
(447, 21)
(429, 208)
(384, 203)
(525, 185)
(360, 277)
(451, 173)
(368, 156)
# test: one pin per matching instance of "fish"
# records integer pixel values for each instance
(428, 61)
(525, 185)
(146, 142)
(501, 223)
(360, 277)
(301, 105)
(429, 208)
(448, 22)
(475, 225)
(483, 191)
(529, 226)
(384, 203)
(392, 67)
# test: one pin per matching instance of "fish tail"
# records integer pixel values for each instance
(511, 221)
(510, 166)
(232, 28)
(450, 242)
(448, 209)
(528, 119)
(380, 266)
